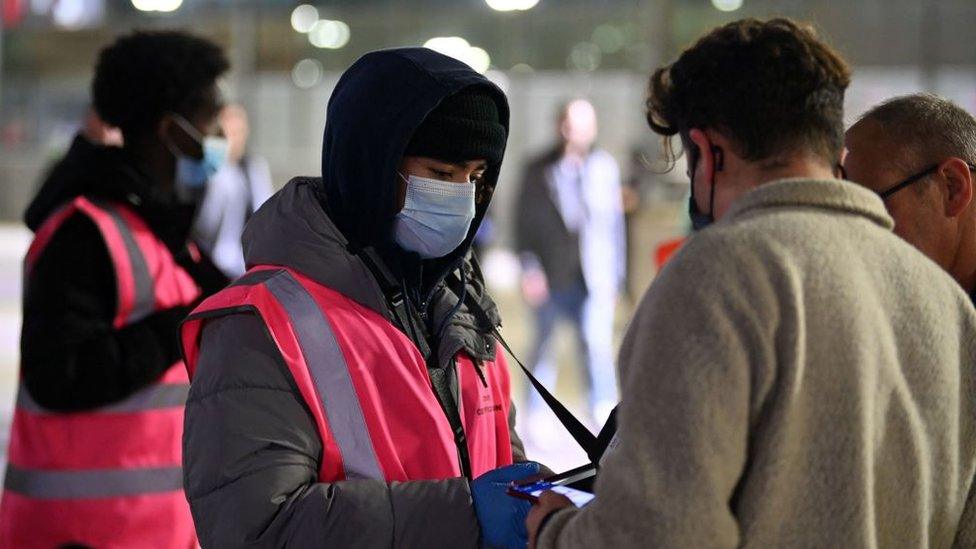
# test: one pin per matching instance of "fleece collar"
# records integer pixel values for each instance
(826, 194)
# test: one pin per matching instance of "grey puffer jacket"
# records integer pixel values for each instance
(251, 449)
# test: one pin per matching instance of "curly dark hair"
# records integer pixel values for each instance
(771, 87)
(145, 74)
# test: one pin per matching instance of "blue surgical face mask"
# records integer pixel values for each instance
(436, 216)
(192, 174)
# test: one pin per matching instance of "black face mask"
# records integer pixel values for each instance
(699, 219)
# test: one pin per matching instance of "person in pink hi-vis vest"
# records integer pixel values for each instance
(348, 390)
(95, 448)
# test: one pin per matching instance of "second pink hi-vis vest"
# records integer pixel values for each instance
(109, 477)
(365, 382)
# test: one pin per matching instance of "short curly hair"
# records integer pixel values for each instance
(145, 74)
(772, 87)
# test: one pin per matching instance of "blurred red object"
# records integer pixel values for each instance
(13, 13)
(666, 249)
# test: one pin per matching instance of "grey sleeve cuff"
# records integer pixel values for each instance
(553, 527)
(433, 513)
(372, 513)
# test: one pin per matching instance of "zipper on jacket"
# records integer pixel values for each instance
(479, 366)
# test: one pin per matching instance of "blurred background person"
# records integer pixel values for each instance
(94, 454)
(233, 194)
(570, 239)
(918, 152)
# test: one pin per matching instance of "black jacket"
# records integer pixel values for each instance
(72, 358)
(539, 228)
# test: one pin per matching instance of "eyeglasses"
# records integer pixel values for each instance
(912, 179)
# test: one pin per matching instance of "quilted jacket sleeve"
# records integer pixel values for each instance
(251, 457)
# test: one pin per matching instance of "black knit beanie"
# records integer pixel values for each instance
(464, 126)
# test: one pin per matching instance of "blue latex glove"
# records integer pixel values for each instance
(502, 517)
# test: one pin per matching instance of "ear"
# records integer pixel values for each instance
(706, 160)
(959, 183)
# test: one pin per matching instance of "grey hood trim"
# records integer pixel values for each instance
(292, 230)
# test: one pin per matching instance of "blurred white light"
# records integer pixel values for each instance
(727, 5)
(344, 34)
(459, 48)
(168, 5)
(329, 34)
(448, 45)
(585, 56)
(522, 67)
(157, 5)
(478, 59)
(511, 5)
(501, 5)
(69, 13)
(306, 73)
(304, 17)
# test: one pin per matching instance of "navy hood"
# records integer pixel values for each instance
(374, 110)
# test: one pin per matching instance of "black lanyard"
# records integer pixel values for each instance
(594, 446)
(409, 323)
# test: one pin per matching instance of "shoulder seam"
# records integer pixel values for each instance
(222, 390)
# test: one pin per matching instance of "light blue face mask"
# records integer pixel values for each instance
(435, 217)
(192, 174)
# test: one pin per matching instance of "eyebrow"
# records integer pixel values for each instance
(464, 165)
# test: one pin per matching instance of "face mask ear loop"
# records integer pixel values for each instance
(173, 149)
(719, 164)
(841, 170)
(185, 125)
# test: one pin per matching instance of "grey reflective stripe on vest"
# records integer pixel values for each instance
(97, 483)
(331, 377)
(154, 397)
(144, 300)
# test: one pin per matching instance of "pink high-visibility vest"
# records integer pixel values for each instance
(109, 477)
(365, 383)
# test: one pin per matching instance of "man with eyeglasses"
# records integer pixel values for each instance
(918, 152)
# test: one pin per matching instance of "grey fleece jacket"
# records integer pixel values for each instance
(797, 376)
(251, 450)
